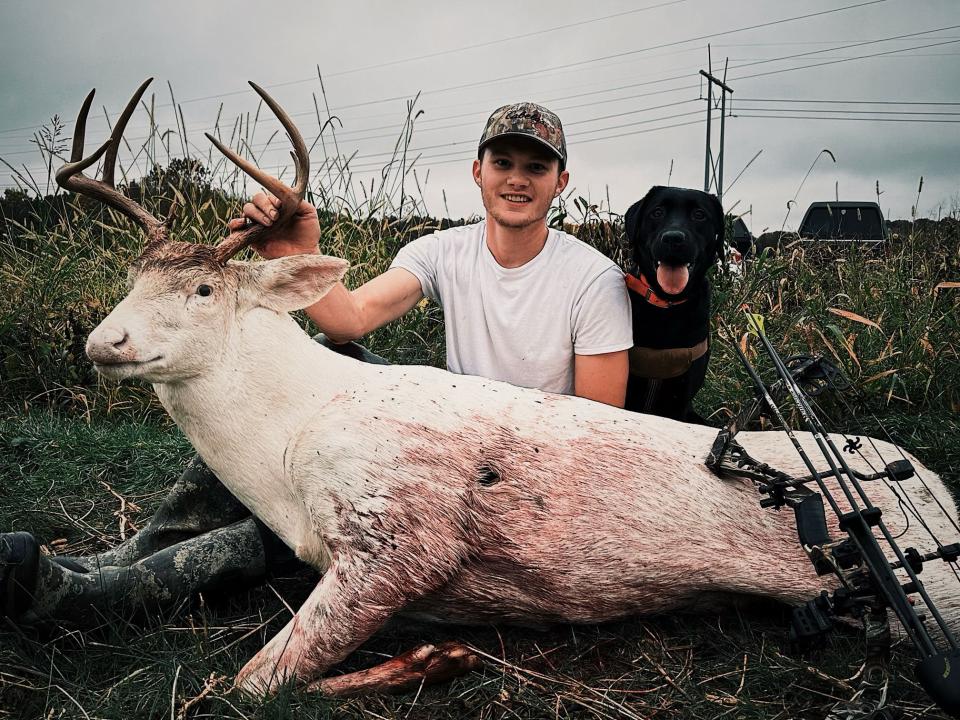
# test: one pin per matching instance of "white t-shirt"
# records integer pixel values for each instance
(522, 325)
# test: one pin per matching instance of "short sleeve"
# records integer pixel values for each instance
(422, 258)
(602, 320)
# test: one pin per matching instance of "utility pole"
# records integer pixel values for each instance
(724, 90)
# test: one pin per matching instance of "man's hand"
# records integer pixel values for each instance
(300, 237)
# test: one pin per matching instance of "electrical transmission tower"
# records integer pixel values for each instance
(713, 170)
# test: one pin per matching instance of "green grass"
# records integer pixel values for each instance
(59, 469)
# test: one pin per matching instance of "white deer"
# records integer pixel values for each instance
(422, 492)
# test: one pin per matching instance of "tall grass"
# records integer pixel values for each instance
(889, 319)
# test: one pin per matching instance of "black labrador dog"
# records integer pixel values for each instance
(675, 236)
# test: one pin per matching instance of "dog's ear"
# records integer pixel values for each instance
(720, 226)
(631, 220)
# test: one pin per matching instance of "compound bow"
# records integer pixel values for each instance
(869, 582)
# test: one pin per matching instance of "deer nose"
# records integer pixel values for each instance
(108, 345)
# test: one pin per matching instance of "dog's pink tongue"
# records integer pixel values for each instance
(672, 278)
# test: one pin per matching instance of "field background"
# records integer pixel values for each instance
(83, 463)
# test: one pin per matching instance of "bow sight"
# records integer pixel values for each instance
(874, 573)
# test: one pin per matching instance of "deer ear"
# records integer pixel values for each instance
(293, 282)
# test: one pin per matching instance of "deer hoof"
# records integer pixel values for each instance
(263, 676)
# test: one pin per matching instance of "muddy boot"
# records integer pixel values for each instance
(19, 562)
(221, 560)
(197, 503)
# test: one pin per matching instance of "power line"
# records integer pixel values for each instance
(553, 68)
(570, 136)
(856, 119)
(390, 63)
(404, 60)
(613, 115)
(206, 123)
(848, 57)
(679, 77)
(260, 146)
(685, 75)
(834, 62)
(600, 59)
(579, 23)
(644, 49)
(853, 112)
(461, 157)
(804, 42)
(568, 125)
(846, 102)
(853, 45)
(198, 125)
(753, 63)
(808, 66)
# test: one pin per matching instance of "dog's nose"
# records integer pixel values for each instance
(673, 237)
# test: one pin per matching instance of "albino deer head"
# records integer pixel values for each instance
(184, 301)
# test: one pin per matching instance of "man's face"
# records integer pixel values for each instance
(518, 181)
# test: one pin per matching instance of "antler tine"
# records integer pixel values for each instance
(80, 129)
(290, 197)
(110, 161)
(300, 155)
(70, 175)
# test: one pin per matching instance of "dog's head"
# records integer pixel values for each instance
(675, 235)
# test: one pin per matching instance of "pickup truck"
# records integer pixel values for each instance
(844, 222)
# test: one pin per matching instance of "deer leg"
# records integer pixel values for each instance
(424, 665)
(353, 599)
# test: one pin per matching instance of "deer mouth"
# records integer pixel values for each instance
(124, 368)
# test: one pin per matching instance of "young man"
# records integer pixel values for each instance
(522, 303)
(525, 304)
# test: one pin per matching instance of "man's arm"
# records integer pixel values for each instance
(602, 377)
(602, 321)
(341, 314)
(344, 315)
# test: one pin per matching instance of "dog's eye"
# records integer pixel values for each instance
(657, 213)
(699, 214)
(204, 290)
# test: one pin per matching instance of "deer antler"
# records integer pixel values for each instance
(71, 176)
(289, 197)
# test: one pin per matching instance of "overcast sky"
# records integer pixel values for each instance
(616, 73)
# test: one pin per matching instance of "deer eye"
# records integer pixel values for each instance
(204, 290)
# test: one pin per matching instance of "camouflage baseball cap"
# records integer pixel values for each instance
(527, 120)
